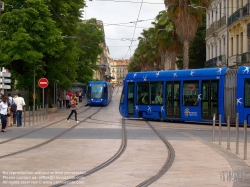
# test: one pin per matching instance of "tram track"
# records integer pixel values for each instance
(48, 141)
(35, 130)
(104, 164)
(52, 139)
(167, 164)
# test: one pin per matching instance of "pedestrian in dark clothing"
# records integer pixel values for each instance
(73, 108)
(4, 111)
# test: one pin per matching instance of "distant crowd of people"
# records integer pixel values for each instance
(11, 109)
(64, 101)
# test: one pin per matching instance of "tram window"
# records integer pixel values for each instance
(190, 93)
(156, 92)
(89, 92)
(247, 93)
(122, 96)
(105, 91)
(142, 93)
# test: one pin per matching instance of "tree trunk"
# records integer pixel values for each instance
(173, 59)
(163, 60)
(186, 55)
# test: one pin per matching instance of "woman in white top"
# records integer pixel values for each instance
(4, 111)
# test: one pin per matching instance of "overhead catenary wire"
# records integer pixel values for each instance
(117, 1)
(135, 28)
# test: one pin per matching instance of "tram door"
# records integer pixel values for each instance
(130, 99)
(173, 99)
(209, 99)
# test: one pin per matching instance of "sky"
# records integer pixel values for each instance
(117, 16)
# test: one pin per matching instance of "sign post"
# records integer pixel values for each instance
(43, 83)
(3, 74)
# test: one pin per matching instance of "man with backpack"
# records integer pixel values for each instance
(12, 106)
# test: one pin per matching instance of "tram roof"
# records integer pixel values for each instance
(209, 72)
(97, 82)
(244, 70)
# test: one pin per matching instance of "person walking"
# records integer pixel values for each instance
(67, 99)
(20, 103)
(14, 113)
(73, 108)
(4, 111)
(80, 96)
(60, 99)
(12, 107)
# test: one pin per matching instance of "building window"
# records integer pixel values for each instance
(232, 46)
(237, 45)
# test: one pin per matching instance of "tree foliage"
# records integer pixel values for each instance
(186, 17)
(197, 49)
(48, 37)
(89, 37)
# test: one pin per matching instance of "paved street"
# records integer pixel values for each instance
(65, 150)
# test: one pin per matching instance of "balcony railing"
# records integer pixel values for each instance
(214, 62)
(216, 25)
(245, 58)
(240, 13)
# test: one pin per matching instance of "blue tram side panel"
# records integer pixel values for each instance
(243, 94)
(99, 93)
(187, 95)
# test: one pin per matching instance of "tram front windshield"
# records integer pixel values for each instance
(97, 90)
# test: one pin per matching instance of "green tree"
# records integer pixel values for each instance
(197, 49)
(90, 36)
(167, 38)
(67, 15)
(186, 18)
(29, 40)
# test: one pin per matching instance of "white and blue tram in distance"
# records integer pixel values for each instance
(99, 93)
(191, 95)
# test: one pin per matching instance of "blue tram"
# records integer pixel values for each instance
(192, 95)
(99, 93)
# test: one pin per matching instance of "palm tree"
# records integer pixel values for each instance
(186, 18)
(167, 38)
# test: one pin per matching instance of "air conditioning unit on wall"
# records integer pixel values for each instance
(1, 6)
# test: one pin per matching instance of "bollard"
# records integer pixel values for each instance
(219, 129)
(40, 113)
(24, 116)
(36, 114)
(228, 132)
(33, 114)
(237, 134)
(245, 140)
(213, 127)
(46, 111)
(43, 113)
(29, 116)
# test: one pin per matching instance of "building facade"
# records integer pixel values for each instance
(227, 38)
(103, 63)
(119, 70)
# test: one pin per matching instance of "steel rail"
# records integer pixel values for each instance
(50, 140)
(104, 164)
(166, 166)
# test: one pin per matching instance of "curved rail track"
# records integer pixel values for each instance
(167, 164)
(147, 182)
(37, 129)
(50, 140)
(104, 164)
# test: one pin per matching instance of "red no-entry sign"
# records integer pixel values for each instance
(43, 82)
